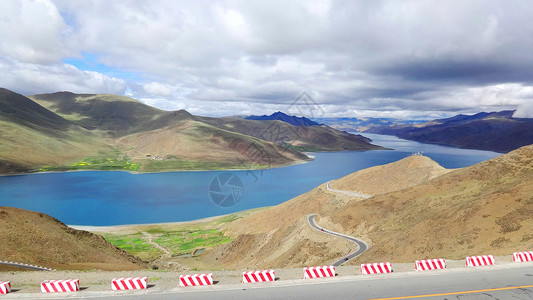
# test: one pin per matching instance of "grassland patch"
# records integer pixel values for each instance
(134, 244)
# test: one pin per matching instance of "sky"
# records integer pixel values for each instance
(395, 59)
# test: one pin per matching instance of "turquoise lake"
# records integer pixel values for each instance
(114, 198)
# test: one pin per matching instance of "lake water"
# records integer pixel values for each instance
(113, 198)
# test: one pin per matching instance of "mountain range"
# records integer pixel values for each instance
(293, 120)
(362, 124)
(66, 131)
(494, 131)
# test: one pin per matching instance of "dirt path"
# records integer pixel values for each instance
(149, 238)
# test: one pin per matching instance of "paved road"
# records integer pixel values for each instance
(496, 282)
(22, 265)
(349, 193)
(362, 246)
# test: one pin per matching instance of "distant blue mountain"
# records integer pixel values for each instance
(362, 124)
(293, 120)
(494, 131)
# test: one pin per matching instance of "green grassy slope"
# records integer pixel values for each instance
(117, 114)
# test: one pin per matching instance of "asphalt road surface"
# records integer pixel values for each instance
(362, 247)
(348, 193)
(512, 281)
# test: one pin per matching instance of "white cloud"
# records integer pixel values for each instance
(525, 110)
(27, 78)
(32, 31)
(158, 89)
(391, 57)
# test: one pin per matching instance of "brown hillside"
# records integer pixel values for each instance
(197, 141)
(483, 209)
(395, 176)
(280, 236)
(36, 238)
(314, 138)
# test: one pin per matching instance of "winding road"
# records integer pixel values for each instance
(27, 266)
(362, 246)
(348, 193)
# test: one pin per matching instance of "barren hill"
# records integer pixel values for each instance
(483, 209)
(303, 138)
(280, 236)
(196, 141)
(395, 176)
(36, 238)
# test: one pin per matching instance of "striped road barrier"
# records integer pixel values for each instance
(60, 286)
(196, 279)
(319, 272)
(258, 276)
(523, 256)
(430, 264)
(482, 260)
(131, 283)
(376, 268)
(5, 287)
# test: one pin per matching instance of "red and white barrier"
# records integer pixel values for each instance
(482, 260)
(258, 276)
(376, 268)
(60, 286)
(132, 283)
(430, 264)
(196, 279)
(523, 256)
(319, 272)
(5, 287)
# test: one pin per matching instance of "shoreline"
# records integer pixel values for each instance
(283, 165)
(125, 227)
(108, 228)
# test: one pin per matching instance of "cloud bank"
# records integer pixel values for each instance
(355, 58)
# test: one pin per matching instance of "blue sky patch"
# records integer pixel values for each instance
(89, 62)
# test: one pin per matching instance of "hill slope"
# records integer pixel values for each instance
(194, 143)
(107, 132)
(32, 136)
(117, 114)
(36, 238)
(121, 116)
(496, 131)
(302, 138)
(395, 176)
(19, 109)
(65, 131)
(280, 236)
(483, 209)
